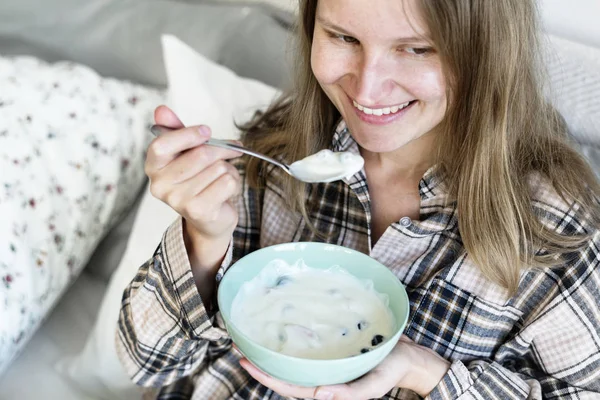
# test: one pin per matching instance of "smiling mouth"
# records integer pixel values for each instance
(382, 111)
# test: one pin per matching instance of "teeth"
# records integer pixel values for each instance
(380, 111)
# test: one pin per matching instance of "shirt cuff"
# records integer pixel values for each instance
(456, 382)
(179, 271)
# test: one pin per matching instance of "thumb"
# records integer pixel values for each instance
(323, 394)
(163, 115)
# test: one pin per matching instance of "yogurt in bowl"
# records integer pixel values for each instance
(341, 360)
(312, 313)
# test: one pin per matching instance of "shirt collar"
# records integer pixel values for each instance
(342, 140)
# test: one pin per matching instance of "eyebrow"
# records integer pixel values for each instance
(409, 39)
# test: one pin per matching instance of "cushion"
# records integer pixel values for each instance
(577, 21)
(121, 38)
(574, 72)
(71, 151)
(67, 328)
(107, 256)
(200, 91)
(203, 92)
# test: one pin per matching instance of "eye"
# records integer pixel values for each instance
(348, 39)
(344, 38)
(418, 51)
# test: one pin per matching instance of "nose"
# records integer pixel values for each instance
(373, 79)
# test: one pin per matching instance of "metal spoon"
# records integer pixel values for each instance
(160, 129)
(319, 174)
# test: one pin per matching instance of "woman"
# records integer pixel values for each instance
(470, 194)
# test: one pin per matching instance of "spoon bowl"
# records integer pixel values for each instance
(324, 166)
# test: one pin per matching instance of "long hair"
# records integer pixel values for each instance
(498, 132)
(299, 123)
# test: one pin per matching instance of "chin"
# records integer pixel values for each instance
(377, 146)
(376, 142)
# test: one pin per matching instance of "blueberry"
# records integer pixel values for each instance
(376, 340)
(363, 351)
(287, 308)
(344, 331)
(362, 325)
(283, 280)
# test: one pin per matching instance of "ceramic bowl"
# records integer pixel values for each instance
(312, 372)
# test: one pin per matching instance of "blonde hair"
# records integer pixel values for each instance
(498, 130)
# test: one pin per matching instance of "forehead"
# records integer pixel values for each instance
(382, 19)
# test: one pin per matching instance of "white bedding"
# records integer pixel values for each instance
(32, 374)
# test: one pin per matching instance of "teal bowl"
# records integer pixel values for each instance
(303, 371)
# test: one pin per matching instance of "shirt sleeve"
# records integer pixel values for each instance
(164, 328)
(556, 354)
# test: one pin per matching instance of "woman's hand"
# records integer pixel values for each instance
(199, 184)
(408, 365)
(195, 180)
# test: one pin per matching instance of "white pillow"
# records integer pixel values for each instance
(72, 146)
(576, 20)
(200, 91)
(286, 5)
(203, 92)
(574, 73)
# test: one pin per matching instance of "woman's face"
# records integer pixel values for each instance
(386, 81)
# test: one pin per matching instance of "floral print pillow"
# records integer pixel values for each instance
(72, 148)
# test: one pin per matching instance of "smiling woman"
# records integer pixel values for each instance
(470, 194)
(383, 81)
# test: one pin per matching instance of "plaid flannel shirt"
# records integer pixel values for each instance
(543, 342)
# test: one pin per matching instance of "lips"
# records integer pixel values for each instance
(381, 111)
(382, 115)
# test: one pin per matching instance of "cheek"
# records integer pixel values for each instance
(327, 65)
(430, 85)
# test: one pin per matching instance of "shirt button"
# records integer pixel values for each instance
(405, 221)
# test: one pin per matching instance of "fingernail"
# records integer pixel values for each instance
(323, 395)
(204, 131)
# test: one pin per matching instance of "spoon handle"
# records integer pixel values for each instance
(160, 129)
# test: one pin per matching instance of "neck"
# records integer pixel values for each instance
(410, 161)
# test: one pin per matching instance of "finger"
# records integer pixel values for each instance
(194, 186)
(169, 145)
(207, 204)
(282, 388)
(374, 384)
(183, 196)
(237, 350)
(363, 388)
(163, 115)
(193, 161)
(405, 339)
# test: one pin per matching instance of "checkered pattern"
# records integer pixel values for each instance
(544, 342)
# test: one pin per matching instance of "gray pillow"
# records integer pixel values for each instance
(121, 38)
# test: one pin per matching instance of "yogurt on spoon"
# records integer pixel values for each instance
(327, 166)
